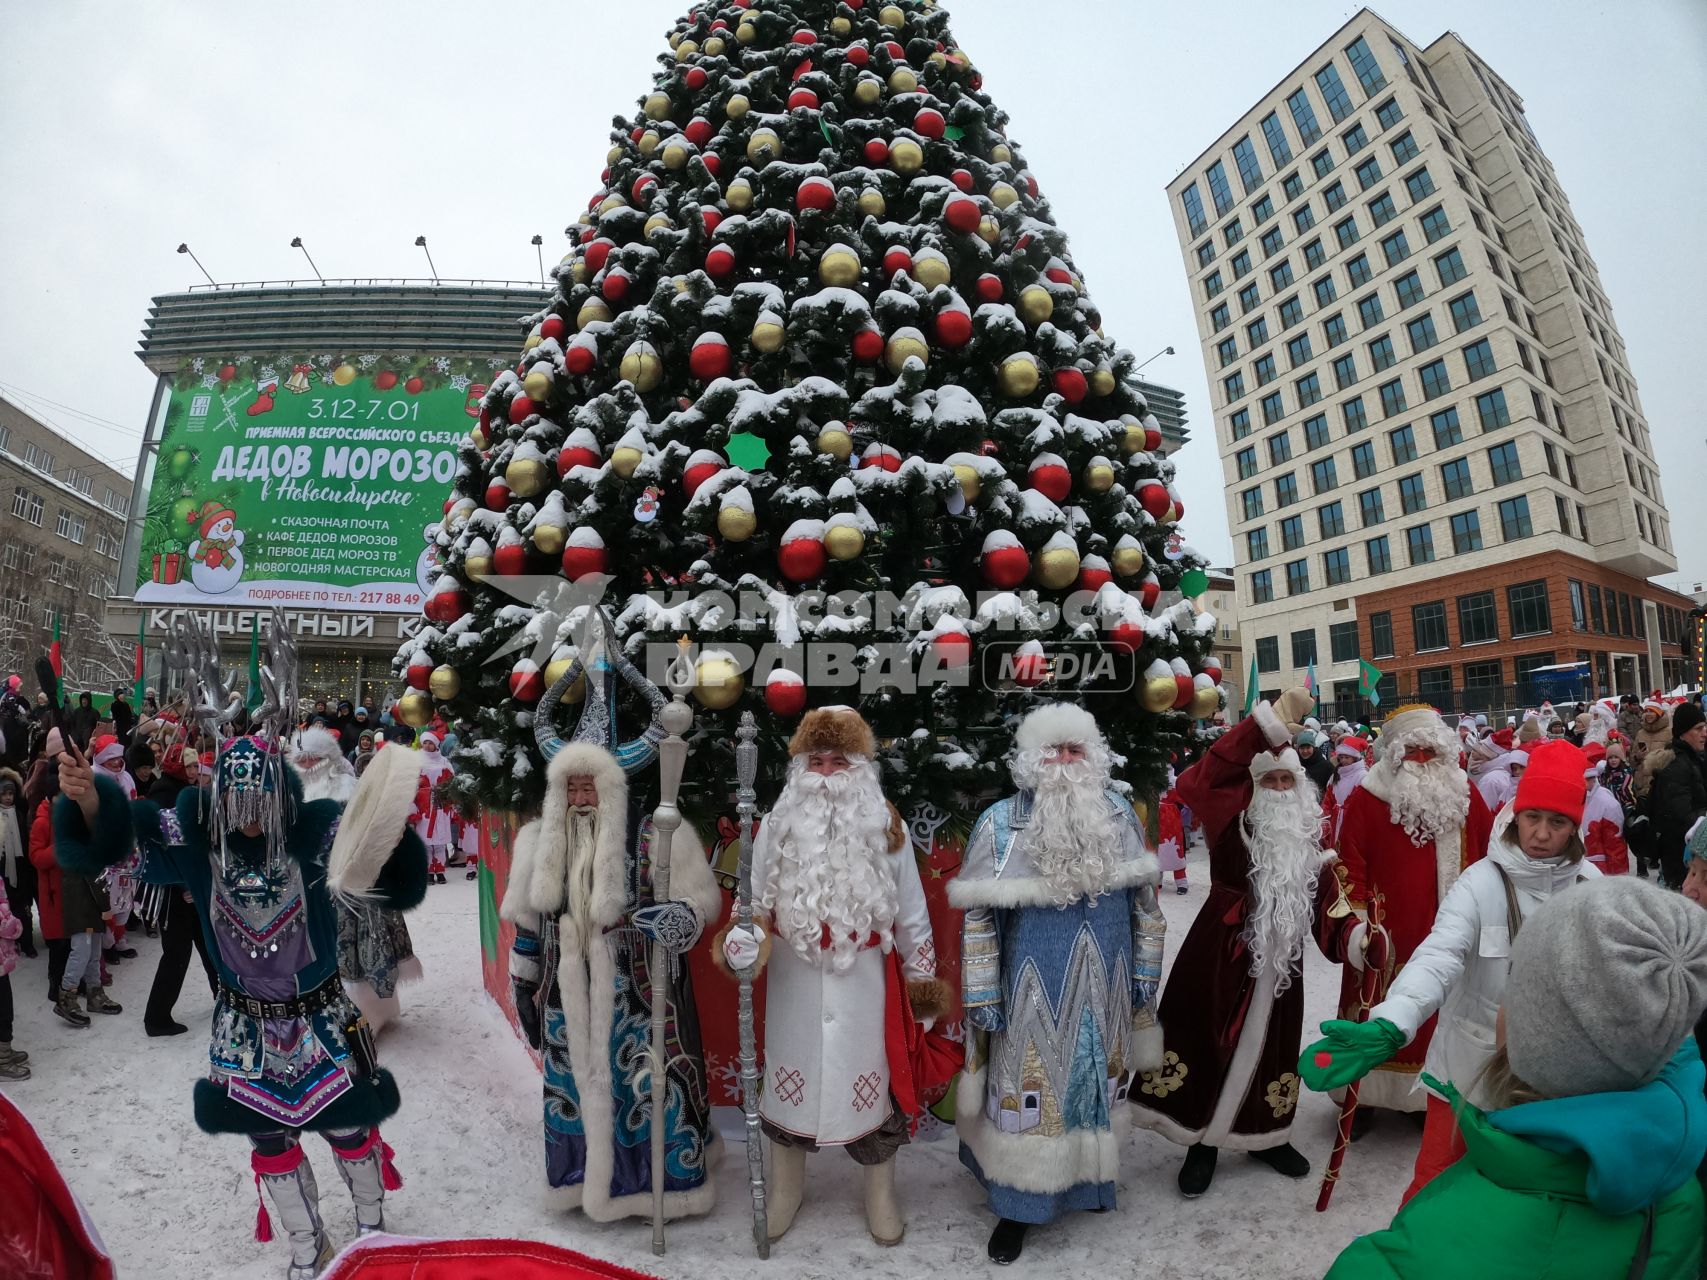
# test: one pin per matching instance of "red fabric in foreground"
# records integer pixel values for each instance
(43, 1232)
(395, 1258)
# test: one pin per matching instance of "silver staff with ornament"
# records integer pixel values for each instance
(746, 769)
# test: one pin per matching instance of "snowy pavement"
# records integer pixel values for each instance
(114, 1109)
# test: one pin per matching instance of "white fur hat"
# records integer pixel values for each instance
(317, 742)
(1266, 762)
(1057, 723)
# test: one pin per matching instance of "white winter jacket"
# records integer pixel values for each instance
(1460, 969)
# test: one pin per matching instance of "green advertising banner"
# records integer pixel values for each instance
(307, 481)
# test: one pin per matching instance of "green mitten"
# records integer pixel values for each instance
(1348, 1051)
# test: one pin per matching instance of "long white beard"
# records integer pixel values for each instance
(324, 781)
(583, 844)
(1428, 799)
(1283, 833)
(829, 866)
(1073, 839)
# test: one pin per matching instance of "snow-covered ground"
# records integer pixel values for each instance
(114, 1108)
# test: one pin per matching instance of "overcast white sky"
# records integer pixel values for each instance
(130, 127)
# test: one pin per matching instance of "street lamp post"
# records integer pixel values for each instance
(296, 243)
(184, 248)
(421, 242)
(539, 253)
(1165, 351)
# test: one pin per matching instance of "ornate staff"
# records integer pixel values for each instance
(675, 719)
(1371, 990)
(746, 768)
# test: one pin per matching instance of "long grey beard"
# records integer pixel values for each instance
(583, 846)
(830, 866)
(1283, 834)
(1074, 841)
(1428, 800)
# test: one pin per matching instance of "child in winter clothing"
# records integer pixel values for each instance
(1459, 970)
(1584, 1164)
(11, 1060)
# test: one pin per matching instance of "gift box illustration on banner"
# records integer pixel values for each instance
(168, 568)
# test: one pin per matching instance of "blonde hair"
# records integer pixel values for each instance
(1574, 850)
(1500, 1087)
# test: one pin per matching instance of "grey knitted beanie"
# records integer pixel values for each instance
(1606, 981)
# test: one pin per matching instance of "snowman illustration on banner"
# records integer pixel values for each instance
(428, 558)
(216, 564)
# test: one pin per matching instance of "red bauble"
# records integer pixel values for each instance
(1186, 688)
(990, 288)
(713, 163)
(526, 683)
(385, 380)
(882, 456)
(552, 327)
(597, 252)
(709, 358)
(497, 496)
(1152, 439)
(449, 503)
(695, 78)
(578, 562)
(1051, 479)
(868, 346)
(575, 455)
(415, 386)
(785, 697)
(634, 135)
(720, 262)
(858, 54)
(580, 360)
(805, 37)
(227, 372)
(1093, 579)
(815, 193)
(952, 649)
(419, 671)
(1030, 669)
(1031, 186)
(877, 152)
(697, 475)
(962, 214)
(1212, 669)
(1005, 567)
(897, 259)
(520, 409)
(511, 559)
(1059, 275)
(1071, 385)
(699, 131)
(712, 220)
(954, 328)
(644, 185)
(961, 178)
(1179, 509)
(928, 123)
(587, 234)
(615, 286)
(1149, 592)
(1154, 498)
(802, 560)
(802, 97)
(1128, 637)
(894, 50)
(447, 605)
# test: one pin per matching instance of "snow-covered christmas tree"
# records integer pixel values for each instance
(819, 333)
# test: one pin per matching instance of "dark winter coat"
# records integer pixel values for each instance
(79, 724)
(1677, 797)
(1320, 770)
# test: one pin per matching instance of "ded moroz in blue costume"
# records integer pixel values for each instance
(289, 1051)
(1061, 956)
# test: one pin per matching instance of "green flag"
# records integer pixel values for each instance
(253, 700)
(1251, 688)
(1369, 681)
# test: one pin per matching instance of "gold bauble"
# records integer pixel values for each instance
(844, 541)
(939, 59)
(537, 385)
(1133, 440)
(1102, 382)
(578, 272)
(555, 671)
(989, 230)
(746, 33)
(764, 146)
(550, 539)
(768, 336)
(1003, 194)
(657, 222)
(1205, 703)
(891, 15)
(740, 195)
(478, 437)
(970, 485)
(904, 346)
(592, 311)
(739, 105)
(641, 366)
(611, 202)
(839, 267)
(931, 270)
(901, 80)
(415, 708)
(624, 459)
(1128, 562)
(872, 203)
(1099, 477)
(527, 476)
(841, 28)
(867, 90)
(444, 683)
(736, 523)
(836, 442)
(677, 154)
(658, 106)
(478, 567)
(1158, 694)
(1057, 568)
(686, 49)
(344, 374)
(1019, 375)
(907, 156)
(613, 155)
(717, 683)
(1035, 304)
(714, 47)
(649, 142)
(1000, 153)
(530, 342)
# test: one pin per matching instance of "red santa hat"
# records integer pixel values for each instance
(1553, 781)
(1594, 753)
(104, 749)
(1502, 739)
(1351, 747)
(211, 513)
(429, 739)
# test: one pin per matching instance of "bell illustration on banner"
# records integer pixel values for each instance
(298, 380)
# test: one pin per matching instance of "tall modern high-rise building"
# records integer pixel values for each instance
(1435, 454)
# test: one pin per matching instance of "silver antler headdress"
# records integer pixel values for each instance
(601, 660)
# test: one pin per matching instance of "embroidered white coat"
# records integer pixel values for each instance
(826, 1069)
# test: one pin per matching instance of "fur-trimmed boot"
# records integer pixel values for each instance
(368, 1172)
(787, 1182)
(882, 1210)
(289, 1180)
